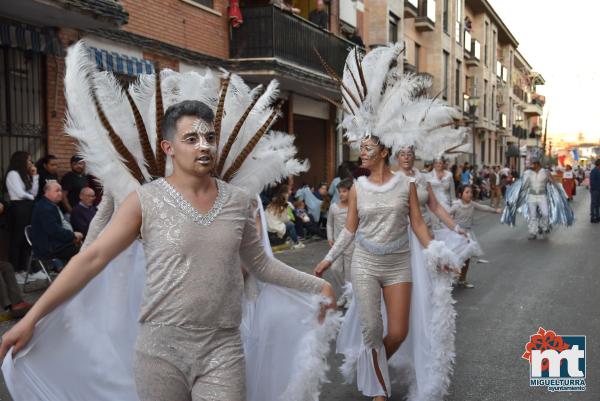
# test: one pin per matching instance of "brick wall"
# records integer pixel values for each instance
(180, 23)
(163, 61)
(59, 144)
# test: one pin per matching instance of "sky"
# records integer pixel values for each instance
(559, 40)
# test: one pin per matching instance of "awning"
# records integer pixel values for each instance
(28, 37)
(120, 63)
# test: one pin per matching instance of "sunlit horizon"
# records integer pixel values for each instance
(558, 47)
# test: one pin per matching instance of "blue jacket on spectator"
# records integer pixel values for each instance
(48, 233)
(595, 179)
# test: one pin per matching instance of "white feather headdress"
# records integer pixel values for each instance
(379, 100)
(118, 131)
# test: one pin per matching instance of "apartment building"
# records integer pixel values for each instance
(473, 60)
(129, 36)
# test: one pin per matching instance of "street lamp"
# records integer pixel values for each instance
(519, 124)
(473, 103)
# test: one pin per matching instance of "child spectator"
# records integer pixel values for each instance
(305, 224)
(336, 221)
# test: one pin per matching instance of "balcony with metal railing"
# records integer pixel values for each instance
(426, 19)
(273, 38)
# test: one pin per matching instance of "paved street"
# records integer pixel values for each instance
(550, 283)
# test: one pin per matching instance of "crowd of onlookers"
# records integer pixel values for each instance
(297, 213)
(49, 212)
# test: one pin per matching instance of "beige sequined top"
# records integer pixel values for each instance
(383, 215)
(193, 276)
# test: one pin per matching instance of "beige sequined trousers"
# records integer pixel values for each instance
(182, 364)
(370, 273)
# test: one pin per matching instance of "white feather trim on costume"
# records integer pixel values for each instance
(312, 365)
(438, 255)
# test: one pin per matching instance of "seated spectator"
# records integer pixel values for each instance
(47, 168)
(72, 183)
(84, 212)
(10, 294)
(319, 16)
(305, 224)
(52, 236)
(280, 218)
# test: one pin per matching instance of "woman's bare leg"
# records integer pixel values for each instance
(397, 304)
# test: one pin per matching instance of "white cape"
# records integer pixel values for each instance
(425, 359)
(84, 349)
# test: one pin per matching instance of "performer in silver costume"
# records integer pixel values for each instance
(537, 199)
(336, 221)
(542, 201)
(196, 231)
(386, 111)
(442, 184)
(378, 220)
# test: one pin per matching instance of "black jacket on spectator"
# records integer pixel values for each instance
(74, 184)
(45, 176)
(48, 235)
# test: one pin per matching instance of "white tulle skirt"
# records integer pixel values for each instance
(425, 359)
(464, 248)
(84, 349)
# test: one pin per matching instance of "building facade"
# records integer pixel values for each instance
(129, 37)
(472, 58)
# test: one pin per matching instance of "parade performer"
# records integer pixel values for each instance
(462, 212)
(385, 112)
(442, 183)
(81, 340)
(568, 182)
(542, 201)
(336, 221)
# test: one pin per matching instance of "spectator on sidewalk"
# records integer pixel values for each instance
(595, 193)
(22, 185)
(319, 16)
(495, 187)
(10, 294)
(343, 172)
(52, 236)
(280, 218)
(465, 176)
(72, 183)
(84, 212)
(322, 195)
(47, 168)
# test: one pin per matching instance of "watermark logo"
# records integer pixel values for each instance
(556, 362)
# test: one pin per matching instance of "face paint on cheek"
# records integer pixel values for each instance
(203, 144)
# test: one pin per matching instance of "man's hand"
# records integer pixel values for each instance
(330, 243)
(78, 236)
